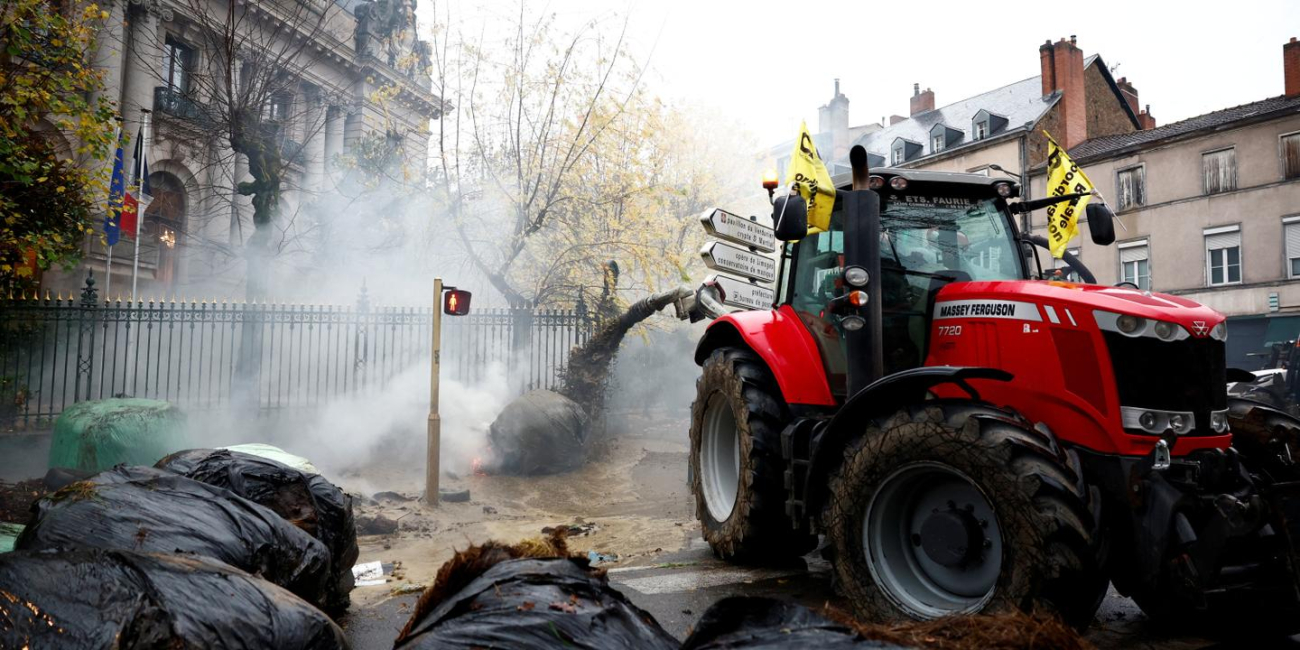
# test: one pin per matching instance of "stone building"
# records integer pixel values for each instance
(1074, 98)
(368, 76)
(1210, 208)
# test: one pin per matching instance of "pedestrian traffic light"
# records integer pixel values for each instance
(455, 302)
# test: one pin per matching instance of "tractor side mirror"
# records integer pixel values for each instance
(790, 217)
(1101, 224)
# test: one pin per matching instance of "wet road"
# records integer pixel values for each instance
(678, 587)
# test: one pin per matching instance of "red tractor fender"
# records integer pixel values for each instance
(797, 367)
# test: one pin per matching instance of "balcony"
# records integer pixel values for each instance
(173, 102)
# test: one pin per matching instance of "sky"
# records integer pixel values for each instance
(772, 64)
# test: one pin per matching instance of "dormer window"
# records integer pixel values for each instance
(944, 137)
(904, 150)
(986, 124)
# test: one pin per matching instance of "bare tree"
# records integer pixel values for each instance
(523, 125)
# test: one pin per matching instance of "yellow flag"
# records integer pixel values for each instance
(1063, 177)
(808, 174)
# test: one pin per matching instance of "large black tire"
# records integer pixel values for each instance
(736, 392)
(1035, 522)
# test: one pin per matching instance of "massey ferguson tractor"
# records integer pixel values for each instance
(969, 437)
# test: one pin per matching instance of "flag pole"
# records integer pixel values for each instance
(139, 209)
(108, 271)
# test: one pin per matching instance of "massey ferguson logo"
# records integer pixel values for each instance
(1199, 328)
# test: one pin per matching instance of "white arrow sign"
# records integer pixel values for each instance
(742, 293)
(725, 257)
(735, 228)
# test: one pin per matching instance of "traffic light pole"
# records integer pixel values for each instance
(434, 458)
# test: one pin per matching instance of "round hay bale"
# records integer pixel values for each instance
(541, 432)
(97, 435)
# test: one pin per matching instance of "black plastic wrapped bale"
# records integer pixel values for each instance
(770, 624)
(541, 432)
(94, 599)
(535, 604)
(305, 500)
(149, 510)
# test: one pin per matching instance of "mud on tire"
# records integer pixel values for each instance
(1038, 531)
(736, 387)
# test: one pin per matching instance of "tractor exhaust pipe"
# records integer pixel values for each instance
(865, 347)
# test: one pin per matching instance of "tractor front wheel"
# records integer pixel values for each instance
(737, 473)
(952, 507)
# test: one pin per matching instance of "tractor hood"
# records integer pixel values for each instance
(1083, 299)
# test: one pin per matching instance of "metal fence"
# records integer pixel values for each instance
(56, 351)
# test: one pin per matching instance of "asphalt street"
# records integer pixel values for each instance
(678, 587)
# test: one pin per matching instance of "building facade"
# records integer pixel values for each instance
(356, 71)
(1210, 208)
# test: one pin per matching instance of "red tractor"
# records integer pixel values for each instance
(969, 438)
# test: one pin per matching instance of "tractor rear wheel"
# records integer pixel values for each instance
(954, 506)
(737, 473)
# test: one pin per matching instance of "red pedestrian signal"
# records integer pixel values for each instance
(455, 302)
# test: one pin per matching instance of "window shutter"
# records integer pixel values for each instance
(1292, 240)
(1223, 240)
(1291, 155)
(1220, 170)
(1132, 254)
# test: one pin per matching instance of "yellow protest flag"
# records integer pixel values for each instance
(1064, 177)
(808, 174)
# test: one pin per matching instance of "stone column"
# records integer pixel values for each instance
(334, 118)
(143, 72)
(314, 149)
(108, 54)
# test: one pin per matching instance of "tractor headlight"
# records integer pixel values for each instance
(856, 276)
(1180, 423)
(1219, 421)
(1165, 331)
(853, 323)
(1220, 331)
(1004, 190)
(875, 182)
(1149, 422)
(1129, 324)
(898, 183)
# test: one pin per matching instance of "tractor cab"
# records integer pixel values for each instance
(935, 229)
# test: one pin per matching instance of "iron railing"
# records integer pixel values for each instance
(56, 351)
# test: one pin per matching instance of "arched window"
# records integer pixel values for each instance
(164, 223)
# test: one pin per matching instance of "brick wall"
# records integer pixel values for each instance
(1106, 116)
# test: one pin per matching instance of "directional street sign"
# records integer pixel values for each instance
(720, 256)
(738, 229)
(742, 293)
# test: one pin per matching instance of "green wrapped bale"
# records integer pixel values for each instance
(8, 534)
(98, 435)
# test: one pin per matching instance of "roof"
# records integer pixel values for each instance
(1021, 102)
(1116, 144)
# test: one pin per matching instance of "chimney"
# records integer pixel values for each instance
(922, 101)
(1291, 67)
(1145, 119)
(833, 118)
(1062, 65)
(1130, 94)
(895, 119)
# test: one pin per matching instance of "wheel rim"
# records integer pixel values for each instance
(720, 459)
(932, 541)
